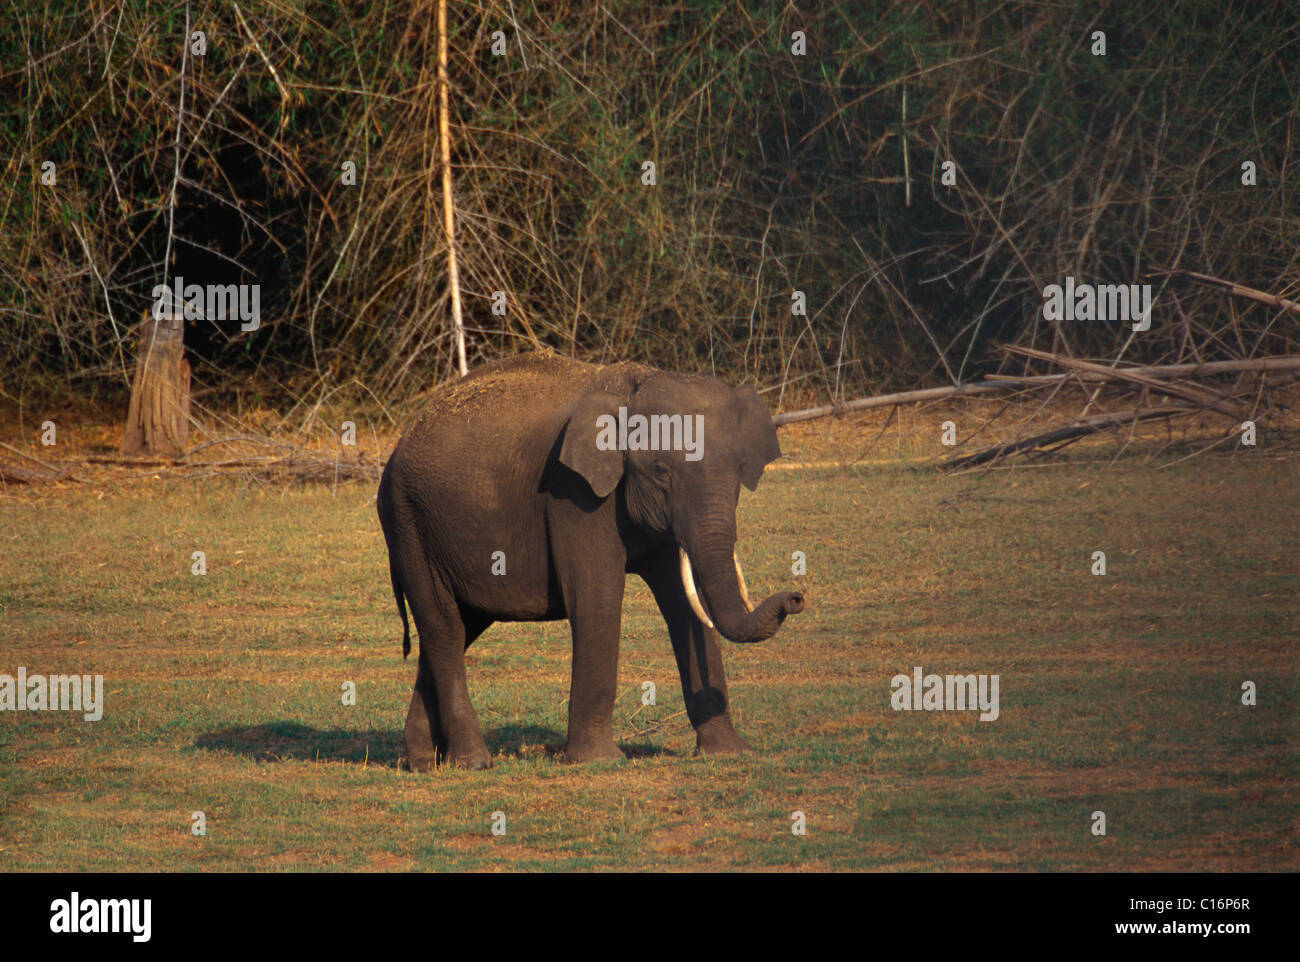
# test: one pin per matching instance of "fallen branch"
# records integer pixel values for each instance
(132, 462)
(235, 439)
(1066, 433)
(1092, 372)
(905, 397)
(1261, 365)
(29, 457)
(1241, 290)
(12, 474)
(1200, 396)
(303, 467)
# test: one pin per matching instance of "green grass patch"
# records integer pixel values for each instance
(1119, 693)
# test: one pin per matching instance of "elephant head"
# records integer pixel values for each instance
(681, 447)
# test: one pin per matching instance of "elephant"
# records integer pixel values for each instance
(528, 490)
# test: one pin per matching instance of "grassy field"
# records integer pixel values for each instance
(1119, 694)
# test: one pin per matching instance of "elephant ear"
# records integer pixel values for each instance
(586, 449)
(757, 436)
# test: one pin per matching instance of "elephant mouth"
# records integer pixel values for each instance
(692, 593)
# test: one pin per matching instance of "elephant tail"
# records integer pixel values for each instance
(401, 609)
(388, 521)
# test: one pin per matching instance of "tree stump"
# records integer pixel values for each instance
(158, 420)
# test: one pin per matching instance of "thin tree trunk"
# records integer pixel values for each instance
(448, 215)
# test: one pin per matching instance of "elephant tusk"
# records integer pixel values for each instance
(740, 576)
(688, 582)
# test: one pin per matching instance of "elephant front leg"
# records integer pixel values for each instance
(593, 599)
(704, 686)
(699, 660)
(588, 561)
(592, 691)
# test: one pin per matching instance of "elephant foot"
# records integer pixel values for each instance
(717, 737)
(422, 752)
(475, 757)
(420, 763)
(425, 742)
(427, 758)
(472, 762)
(591, 750)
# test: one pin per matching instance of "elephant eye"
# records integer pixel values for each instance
(661, 471)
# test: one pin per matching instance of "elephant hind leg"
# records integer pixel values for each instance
(426, 743)
(440, 721)
(425, 739)
(441, 725)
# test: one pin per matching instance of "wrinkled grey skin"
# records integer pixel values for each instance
(506, 460)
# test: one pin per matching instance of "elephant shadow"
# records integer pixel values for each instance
(282, 741)
(526, 741)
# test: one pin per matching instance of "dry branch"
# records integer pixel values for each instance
(1085, 371)
(1232, 287)
(12, 474)
(1167, 379)
(1065, 433)
(297, 466)
(1258, 365)
(29, 457)
(132, 462)
(1195, 395)
(885, 400)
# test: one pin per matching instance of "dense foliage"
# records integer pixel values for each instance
(775, 172)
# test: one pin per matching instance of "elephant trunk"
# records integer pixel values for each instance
(725, 603)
